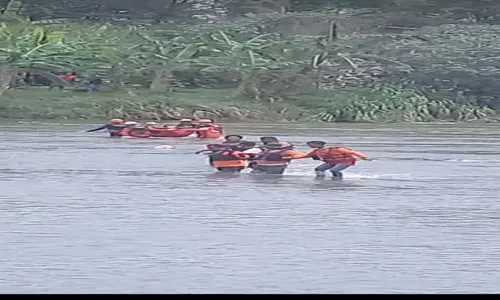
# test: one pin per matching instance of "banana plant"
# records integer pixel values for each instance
(165, 56)
(37, 46)
(262, 53)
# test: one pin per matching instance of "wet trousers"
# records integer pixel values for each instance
(335, 169)
(115, 134)
(230, 169)
(269, 169)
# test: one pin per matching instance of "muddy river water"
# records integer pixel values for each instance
(82, 213)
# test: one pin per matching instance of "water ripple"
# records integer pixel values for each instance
(82, 213)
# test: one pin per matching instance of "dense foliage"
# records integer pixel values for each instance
(433, 70)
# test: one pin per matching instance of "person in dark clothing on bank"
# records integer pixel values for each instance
(94, 84)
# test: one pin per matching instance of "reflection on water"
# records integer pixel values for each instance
(82, 213)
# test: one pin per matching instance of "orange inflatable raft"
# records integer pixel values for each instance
(136, 132)
(170, 131)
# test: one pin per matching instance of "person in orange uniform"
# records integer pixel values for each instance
(227, 160)
(209, 149)
(202, 123)
(133, 129)
(215, 125)
(208, 130)
(335, 159)
(114, 127)
(275, 158)
(185, 123)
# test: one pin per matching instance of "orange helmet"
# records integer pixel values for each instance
(116, 121)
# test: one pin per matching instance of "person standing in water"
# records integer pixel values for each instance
(268, 139)
(134, 129)
(248, 147)
(274, 159)
(225, 159)
(335, 159)
(114, 126)
(232, 139)
(208, 129)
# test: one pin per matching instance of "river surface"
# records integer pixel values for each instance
(82, 213)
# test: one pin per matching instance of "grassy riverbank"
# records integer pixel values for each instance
(43, 104)
(343, 105)
(239, 69)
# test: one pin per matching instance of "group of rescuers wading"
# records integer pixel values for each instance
(269, 157)
(273, 157)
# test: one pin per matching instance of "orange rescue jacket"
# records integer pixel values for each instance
(337, 155)
(229, 158)
(276, 157)
(209, 132)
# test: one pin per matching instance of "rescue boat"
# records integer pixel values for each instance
(136, 132)
(171, 131)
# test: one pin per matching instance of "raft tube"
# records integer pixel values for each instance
(171, 131)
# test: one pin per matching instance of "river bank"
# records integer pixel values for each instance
(46, 104)
(342, 105)
(236, 70)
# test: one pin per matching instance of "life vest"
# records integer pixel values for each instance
(271, 157)
(228, 158)
(231, 145)
(336, 155)
(209, 133)
(218, 128)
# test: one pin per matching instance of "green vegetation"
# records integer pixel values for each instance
(145, 55)
(241, 69)
(396, 105)
(140, 105)
(346, 105)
